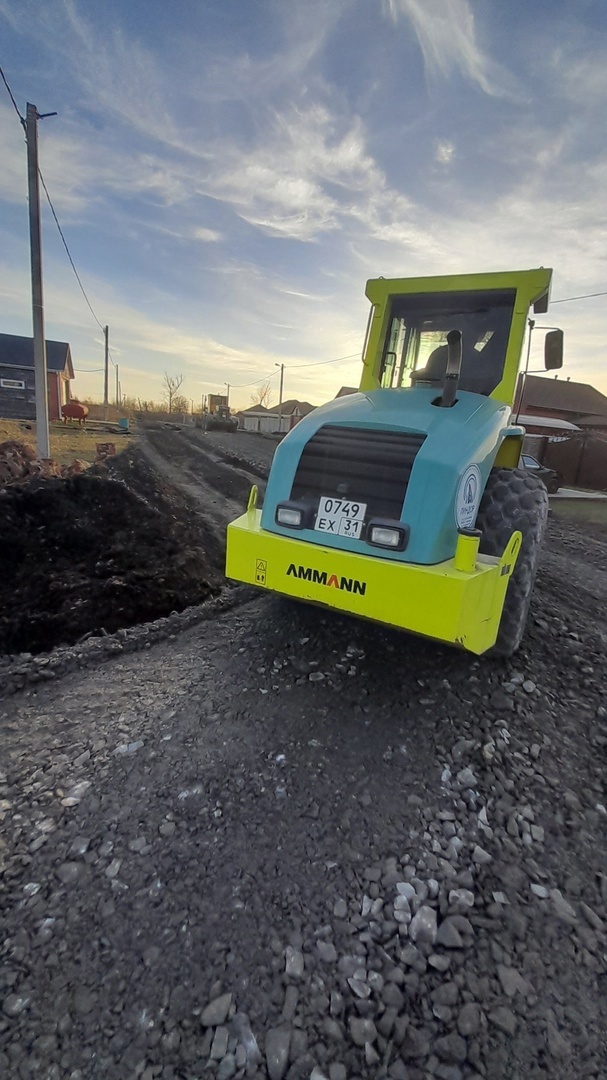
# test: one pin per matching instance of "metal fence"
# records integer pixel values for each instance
(581, 460)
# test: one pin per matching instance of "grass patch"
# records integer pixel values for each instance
(67, 442)
(591, 510)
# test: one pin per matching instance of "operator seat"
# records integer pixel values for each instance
(436, 365)
(480, 370)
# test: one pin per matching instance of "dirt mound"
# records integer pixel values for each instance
(98, 551)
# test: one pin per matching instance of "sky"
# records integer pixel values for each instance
(229, 174)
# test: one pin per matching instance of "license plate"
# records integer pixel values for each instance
(340, 517)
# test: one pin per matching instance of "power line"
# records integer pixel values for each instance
(294, 367)
(61, 234)
(265, 378)
(317, 363)
(82, 289)
(10, 94)
(88, 371)
(77, 275)
(587, 296)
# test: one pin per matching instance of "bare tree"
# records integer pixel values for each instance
(170, 386)
(262, 395)
(181, 404)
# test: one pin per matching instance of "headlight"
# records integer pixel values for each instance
(385, 537)
(388, 534)
(289, 515)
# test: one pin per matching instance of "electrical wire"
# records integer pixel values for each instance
(318, 363)
(295, 367)
(61, 234)
(82, 289)
(587, 296)
(88, 371)
(10, 94)
(265, 378)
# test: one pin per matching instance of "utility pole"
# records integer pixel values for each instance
(228, 395)
(42, 432)
(106, 384)
(282, 376)
(117, 387)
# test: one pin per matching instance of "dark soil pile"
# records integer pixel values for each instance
(95, 552)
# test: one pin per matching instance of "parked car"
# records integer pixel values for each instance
(550, 477)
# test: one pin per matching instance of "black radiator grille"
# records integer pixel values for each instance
(371, 467)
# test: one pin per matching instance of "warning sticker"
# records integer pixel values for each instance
(261, 567)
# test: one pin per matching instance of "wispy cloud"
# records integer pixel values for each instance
(311, 174)
(582, 73)
(281, 185)
(207, 236)
(12, 141)
(444, 151)
(145, 345)
(226, 209)
(81, 171)
(118, 74)
(447, 36)
(304, 30)
(119, 78)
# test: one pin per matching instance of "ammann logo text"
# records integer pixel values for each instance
(332, 581)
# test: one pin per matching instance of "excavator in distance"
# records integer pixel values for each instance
(218, 416)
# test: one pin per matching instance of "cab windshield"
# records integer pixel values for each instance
(416, 345)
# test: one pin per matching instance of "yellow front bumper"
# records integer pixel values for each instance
(453, 605)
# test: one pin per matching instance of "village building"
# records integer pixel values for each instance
(278, 419)
(17, 377)
(578, 404)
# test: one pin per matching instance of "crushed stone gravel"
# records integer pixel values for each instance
(381, 874)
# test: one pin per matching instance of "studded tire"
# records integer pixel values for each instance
(513, 501)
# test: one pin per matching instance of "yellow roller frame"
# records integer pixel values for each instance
(460, 606)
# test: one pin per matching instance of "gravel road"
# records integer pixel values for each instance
(282, 843)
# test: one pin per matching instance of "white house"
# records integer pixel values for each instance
(277, 419)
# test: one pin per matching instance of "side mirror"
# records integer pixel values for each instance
(553, 350)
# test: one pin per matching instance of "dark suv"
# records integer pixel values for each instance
(550, 477)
